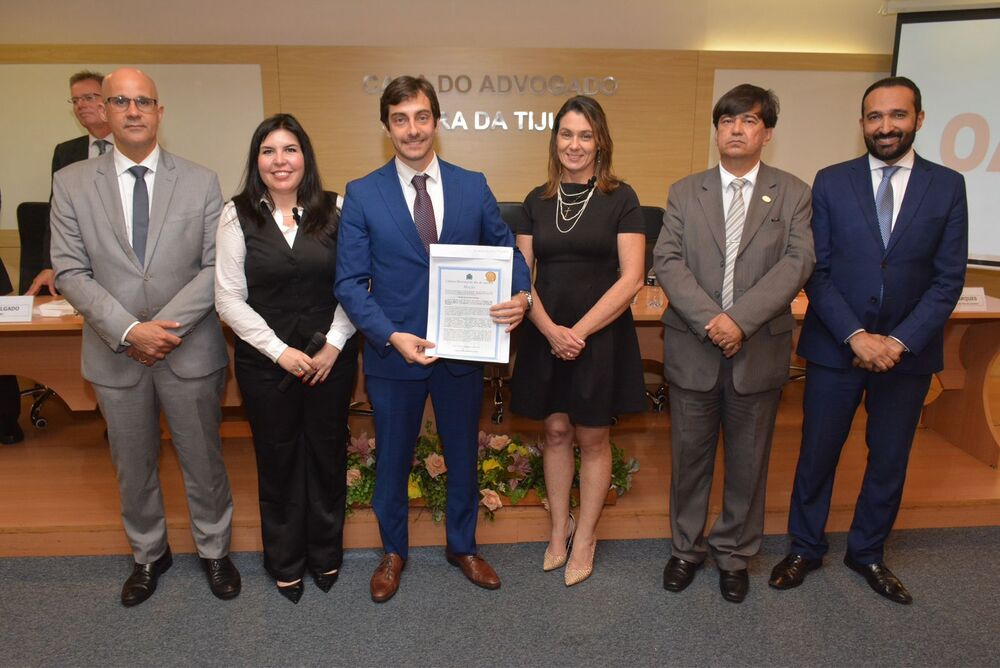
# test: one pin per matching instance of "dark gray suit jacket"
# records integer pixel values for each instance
(776, 257)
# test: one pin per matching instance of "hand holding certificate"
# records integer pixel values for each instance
(465, 282)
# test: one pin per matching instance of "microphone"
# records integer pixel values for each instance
(317, 341)
(296, 215)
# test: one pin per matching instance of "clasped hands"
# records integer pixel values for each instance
(874, 352)
(310, 370)
(150, 341)
(725, 333)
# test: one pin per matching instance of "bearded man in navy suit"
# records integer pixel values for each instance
(891, 235)
(389, 218)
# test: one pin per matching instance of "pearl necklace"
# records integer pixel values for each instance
(566, 207)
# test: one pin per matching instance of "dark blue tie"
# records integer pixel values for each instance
(883, 204)
(140, 212)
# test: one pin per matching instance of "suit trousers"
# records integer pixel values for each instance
(893, 402)
(300, 440)
(10, 404)
(747, 424)
(193, 410)
(399, 408)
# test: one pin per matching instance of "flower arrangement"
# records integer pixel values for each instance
(508, 470)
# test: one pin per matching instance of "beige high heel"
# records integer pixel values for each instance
(577, 575)
(553, 561)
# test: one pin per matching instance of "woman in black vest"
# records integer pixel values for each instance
(275, 261)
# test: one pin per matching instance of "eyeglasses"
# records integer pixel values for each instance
(121, 103)
(89, 98)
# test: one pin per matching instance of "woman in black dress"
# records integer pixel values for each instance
(275, 260)
(578, 362)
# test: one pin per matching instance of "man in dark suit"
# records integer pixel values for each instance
(734, 251)
(389, 218)
(85, 96)
(891, 232)
(133, 247)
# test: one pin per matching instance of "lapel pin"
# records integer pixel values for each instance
(766, 198)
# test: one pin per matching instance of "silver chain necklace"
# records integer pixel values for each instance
(566, 207)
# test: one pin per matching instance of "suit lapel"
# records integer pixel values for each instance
(711, 205)
(861, 182)
(916, 188)
(392, 194)
(106, 181)
(758, 207)
(165, 179)
(452, 201)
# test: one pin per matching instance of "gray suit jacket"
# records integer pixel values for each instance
(776, 257)
(98, 272)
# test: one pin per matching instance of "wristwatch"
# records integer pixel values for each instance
(527, 295)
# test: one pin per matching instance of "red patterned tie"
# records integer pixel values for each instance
(423, 213)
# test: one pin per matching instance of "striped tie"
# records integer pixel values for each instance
(734, 233)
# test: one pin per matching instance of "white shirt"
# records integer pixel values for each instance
(434, 188)
(231, 288)
(92, 151)
(898, 180)
(126, 182)
(727, 194)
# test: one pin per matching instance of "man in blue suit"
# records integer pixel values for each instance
(389, 218)
(891, 235)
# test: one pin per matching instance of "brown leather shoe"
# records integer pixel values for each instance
(385, 579)
(476, 569)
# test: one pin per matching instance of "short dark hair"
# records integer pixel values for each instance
(405, 88)
(320, 209)
(744, 98)
(84, 75)
(890, 82)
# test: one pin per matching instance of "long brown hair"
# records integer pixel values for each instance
(589, 108)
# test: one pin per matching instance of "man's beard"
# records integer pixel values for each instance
(890, 153)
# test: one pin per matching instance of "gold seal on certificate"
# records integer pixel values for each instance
(465, 281)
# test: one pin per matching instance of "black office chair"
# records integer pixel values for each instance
(656, 383)
(32, 222)
(498, 374)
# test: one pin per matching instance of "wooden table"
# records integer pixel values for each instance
(48, 351)
(958, 407)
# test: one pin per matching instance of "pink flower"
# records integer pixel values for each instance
(361, 445)
(435, 464)
(353, 476)
(499, 442)
(484, 439)
(519, 468)
(491, 500)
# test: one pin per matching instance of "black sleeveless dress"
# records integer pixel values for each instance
(574, 270)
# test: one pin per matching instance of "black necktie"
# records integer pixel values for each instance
(102, 146)
(140, 212)
(423, 213)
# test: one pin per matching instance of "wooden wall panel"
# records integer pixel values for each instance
(651, 114)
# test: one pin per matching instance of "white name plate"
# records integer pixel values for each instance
(15, 309)
(972, 299)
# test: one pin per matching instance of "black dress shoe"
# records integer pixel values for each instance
(678, 574)
(881, 580)
(325, 581)
(15, 436)
(292, 592)
(142, 583)
(734, 585)
(223, 578)
(791, 571)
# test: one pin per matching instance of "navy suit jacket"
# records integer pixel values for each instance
(907, 290)
(378, 242)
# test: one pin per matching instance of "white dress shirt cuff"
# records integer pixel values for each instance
(126, 343)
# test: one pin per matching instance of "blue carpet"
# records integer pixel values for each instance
(65, 612)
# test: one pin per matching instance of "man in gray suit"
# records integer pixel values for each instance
(133, 248)
(735, 249)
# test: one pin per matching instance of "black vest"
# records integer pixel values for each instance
(291, 288)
